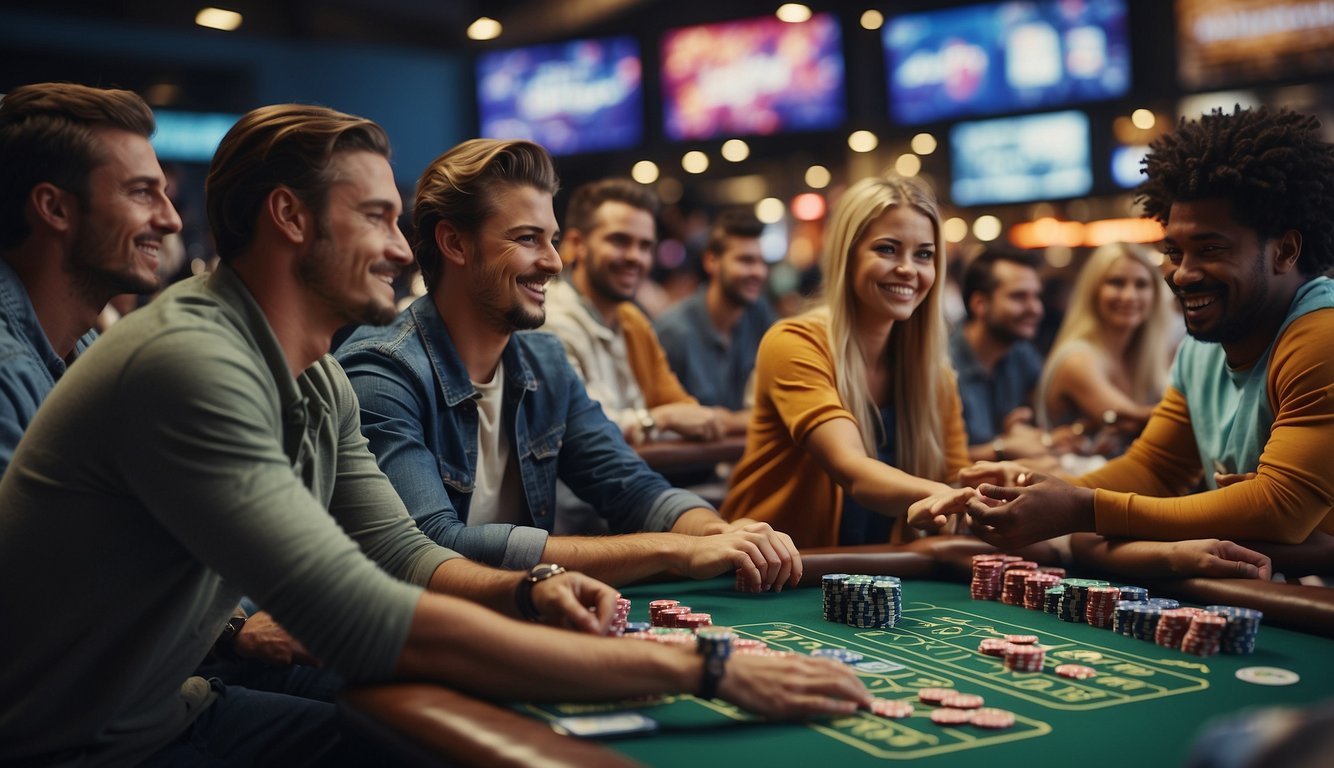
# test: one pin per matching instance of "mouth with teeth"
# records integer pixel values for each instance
(149, 248)
(899, 291)
(534, 287)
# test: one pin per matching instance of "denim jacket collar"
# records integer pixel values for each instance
(444, 358)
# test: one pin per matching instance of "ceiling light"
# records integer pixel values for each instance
(217, 18)
(485, 28)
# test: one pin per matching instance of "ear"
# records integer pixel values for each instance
(571, 245)
(1289, 250)
(289, 216)
(53, 207)
(451, 242)
(977, 304)
(709, 260)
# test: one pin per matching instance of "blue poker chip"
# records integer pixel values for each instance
(637, 626)
(1166, 603)
(838, 654)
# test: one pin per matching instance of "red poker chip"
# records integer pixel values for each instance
(1076, 671)
(963, 701)
(950, 716)
(933, 695)
(1021, 639)
(993, 646)
(892, 708)
(990, 717)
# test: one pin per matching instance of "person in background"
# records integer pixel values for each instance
(474, 422)
(83, 217)
(857, 427)
(1108, 366)
(1245, 202)
(711, 338)
(996, 362)
(608, 246)
(228, 459)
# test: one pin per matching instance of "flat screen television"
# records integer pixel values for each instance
(1005, 57)
(1020, 159)
(572, 97)
(1224, 42)
(752, 77)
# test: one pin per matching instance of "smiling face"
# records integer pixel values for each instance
(513, 255)
(1014, 309)
(1125, 295)
(893, 265)
(1219, 271)
(358, 249)
(740, 270)
(617, 251)
(118, 234)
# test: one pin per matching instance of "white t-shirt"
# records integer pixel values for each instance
(497, 495)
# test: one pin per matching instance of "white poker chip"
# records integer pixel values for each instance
(1267, 675)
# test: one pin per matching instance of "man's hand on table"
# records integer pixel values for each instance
(767, 559)
(792, 687)
(691, 421)
(575, 601)
(261, 638)
(1217, 558)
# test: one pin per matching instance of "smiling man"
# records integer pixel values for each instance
(475, 423)
(711, 338)
(610, 234)
(83, 210)
(1245, 200)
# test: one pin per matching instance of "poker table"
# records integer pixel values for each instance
(1147, 704)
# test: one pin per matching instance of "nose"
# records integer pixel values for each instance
(1185, 272)
(550, 262)
(165, 217)
(397, 249)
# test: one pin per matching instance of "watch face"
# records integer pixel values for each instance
(545, 571)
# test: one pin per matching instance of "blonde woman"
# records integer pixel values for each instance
(1108, 366)
(857, 422)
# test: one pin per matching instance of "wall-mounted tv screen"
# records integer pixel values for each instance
(1224, 42)
(752, 77)
(189, 137)
(572, 97)
(1005, 57)
(1020, 159)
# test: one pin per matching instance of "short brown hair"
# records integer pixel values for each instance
(587, 199)
(290, 145)
(46, 135)
(455, 188)
(737, 222)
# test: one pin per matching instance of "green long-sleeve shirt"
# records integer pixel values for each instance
(176, 468)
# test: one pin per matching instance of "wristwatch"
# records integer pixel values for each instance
(648, 426)
(523, 594)
(225, 646)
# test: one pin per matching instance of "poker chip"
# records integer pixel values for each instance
(951, 716)
(838, 654)
(1145, 621)
(1166, 603)
(655, 607)
(962, 701)
(1268, 676)
(1243, 624)
(992, 718)
(694, 620)
(1123, 617)
(933, 695)
(1012, 588)
(636, 626)
(1035, 589)
(1021, 639)
(993, 646)
(986, 583)
(667, 616)
(1101, 607)
(1076, 671)
(1172, 626)
(833, 587)
(1024, 658)
(892, 708)
(1205, 635)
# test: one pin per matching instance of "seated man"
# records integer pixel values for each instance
(711, 338)
(83, 213)
(474, 423)
(609, 238)
(1245, 201)
(229, 460)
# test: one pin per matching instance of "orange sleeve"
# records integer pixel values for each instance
(1293, 492)
(799, 372)
(648, 360)
(956, 434)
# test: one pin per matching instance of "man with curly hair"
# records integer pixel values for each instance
(1245, 200)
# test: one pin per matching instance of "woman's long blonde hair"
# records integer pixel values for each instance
(918, 365)
(1148, 348)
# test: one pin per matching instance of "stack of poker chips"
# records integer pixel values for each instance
(1144, 625)
(1134, 594)
(1243, 624)
(1205, 635)
(1035, 589)
(987, 571)
(1012, 589)
(620, 618)
(1101, 606)
(1166, 603)
(1024, 657)
(862, 601)
(1051, 599)
(694, 621)
(1172, 626)
(656, 607)
(1123, 621)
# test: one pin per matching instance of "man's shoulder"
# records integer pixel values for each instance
(681, 319)
(388, 340)
(539, 348)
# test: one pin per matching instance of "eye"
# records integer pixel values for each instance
(885, 249)
(925, 255)
(1173, 255)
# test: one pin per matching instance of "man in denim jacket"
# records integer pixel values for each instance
(474, 423)
(83, 211)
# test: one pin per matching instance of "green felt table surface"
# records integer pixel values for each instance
(1146, 706)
